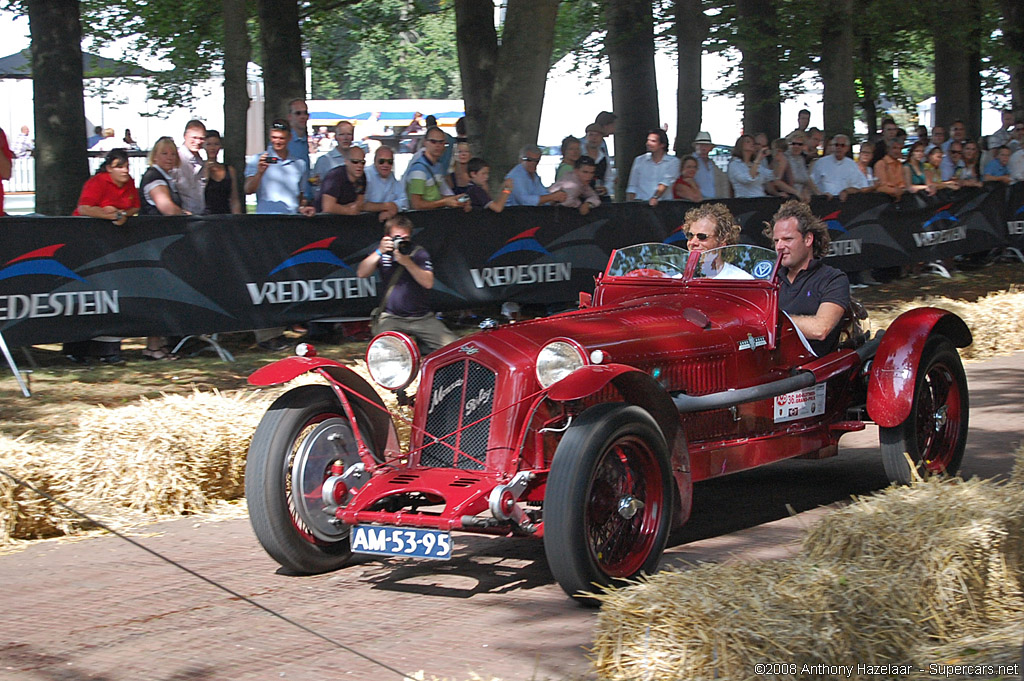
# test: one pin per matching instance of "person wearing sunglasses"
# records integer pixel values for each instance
(425, 179)
(342, 190)
(527, 188)
(707, 227)
(384, 193)
(838, 174)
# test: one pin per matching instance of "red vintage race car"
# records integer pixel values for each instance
(588, 429)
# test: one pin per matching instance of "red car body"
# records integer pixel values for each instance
(684, 376)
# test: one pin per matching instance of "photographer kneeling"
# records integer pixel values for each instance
(407, 274)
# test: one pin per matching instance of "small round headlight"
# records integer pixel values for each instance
(392, 359)
(558, 359)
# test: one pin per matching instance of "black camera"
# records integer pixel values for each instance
(402, 244)
(271, 159)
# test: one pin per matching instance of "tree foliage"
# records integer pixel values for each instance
(383, 49)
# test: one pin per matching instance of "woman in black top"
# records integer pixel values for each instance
(221, 187)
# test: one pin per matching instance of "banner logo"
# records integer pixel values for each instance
(314, 252)
(39, 261)
(941, 214)
(533, 273)
(832, 222)
(306, 290)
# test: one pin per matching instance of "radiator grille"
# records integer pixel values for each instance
(461, 393)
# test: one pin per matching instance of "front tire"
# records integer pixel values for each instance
(607, 508)
(935, 433)
(302, 434)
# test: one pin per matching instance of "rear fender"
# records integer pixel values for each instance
(894, 370)
(637, 387)
(382, 431)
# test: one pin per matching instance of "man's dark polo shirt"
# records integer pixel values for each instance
(337, 184)
(819, 283)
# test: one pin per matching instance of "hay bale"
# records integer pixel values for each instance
(170, 455)
(874, 580)
(996, 320)
(24, 514)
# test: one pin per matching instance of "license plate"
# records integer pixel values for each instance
(412, 542)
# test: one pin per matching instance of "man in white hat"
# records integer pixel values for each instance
(712, 180)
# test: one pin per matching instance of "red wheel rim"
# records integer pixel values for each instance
(627, 470)
(939, 416)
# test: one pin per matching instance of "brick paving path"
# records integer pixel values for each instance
(103, 610)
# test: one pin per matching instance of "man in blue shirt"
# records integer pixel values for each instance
(298, 146)
(527, 189)
(384, 193)
(277, 177)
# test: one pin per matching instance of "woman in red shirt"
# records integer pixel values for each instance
(110, 194)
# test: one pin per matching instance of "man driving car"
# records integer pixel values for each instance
(813, 294)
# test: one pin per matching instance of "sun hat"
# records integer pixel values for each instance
(703, 138)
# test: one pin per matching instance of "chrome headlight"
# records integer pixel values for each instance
(558, 359)
(392, 359)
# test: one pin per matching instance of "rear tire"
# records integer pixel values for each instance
(607, 506)
(307, 424)
(935, 432)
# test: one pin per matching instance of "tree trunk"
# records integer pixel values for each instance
(477, 43)
(756, 37)
(837, 67)
(62, 165)
(1012, 25)
(630, 47)
(284, 76)
(867, 82)
(237, 53)
(691, 30)
(972, 54)
(528, 40)
(952, 64)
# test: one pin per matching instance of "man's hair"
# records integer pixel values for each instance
(662, 136)
(97, 130)
(341, 123)
(430, 120)
(460, 127)
(839, 135)
(530, 149)
(433, 128)
(195, 124)
(476, 164)
(605, 118)
(726, 228)
(398, 221)
(292, 101)
(803, 111)
(281, 125)
(806, 222)
(210, 132)
(382, 148)
(584, 161)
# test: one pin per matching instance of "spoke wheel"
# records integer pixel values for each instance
(607, 504)
(302, 434)
(935, 433)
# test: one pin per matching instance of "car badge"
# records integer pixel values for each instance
(469, 349)
(763, 269)
(752, 342)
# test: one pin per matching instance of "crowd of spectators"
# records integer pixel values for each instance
(188, 178)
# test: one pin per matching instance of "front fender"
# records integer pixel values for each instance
(383, 433)
(638, 388)
(284, 370)
(894, 370)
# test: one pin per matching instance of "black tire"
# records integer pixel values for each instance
(307, 422)
(611, 454)
(935, 432)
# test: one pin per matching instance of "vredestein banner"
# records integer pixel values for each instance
(66, 279)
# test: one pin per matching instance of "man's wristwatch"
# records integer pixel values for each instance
(121, 214)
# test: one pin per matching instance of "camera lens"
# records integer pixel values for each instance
(404, 246)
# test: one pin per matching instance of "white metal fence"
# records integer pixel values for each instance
(23, 172)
